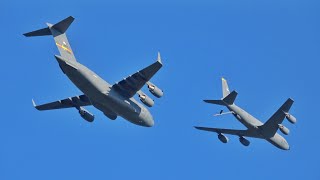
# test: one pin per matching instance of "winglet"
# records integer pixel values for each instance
(34, 104)
(159, 58)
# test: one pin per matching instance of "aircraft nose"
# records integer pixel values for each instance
(150, 123)
(146, 118)
(286, 146)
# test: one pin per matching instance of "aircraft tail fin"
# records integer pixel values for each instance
(63, 25)
(218, 102)
(39, 32)
(225, 88)
(227, 97)
(58, 32)
(228, 100)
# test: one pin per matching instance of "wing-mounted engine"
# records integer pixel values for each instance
(291, 118)
(223, 138)
(157, 92)
(284, 129)
(85, 114)
(244, 141)
(145, 99)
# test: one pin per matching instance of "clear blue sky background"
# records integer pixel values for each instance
(268, 50)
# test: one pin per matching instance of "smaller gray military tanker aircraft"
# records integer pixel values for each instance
(255, 128)
(113, 100)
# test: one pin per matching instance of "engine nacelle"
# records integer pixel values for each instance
(223, 138)
(155, 90)
(111, 116)
(86, 115)
(291, 118)
(284, 129)
(146, 100)
(244, 141)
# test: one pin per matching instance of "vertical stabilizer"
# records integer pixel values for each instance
(225, 88)
(58, 31)
(228, 98)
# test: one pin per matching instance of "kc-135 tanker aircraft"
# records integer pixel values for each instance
(255, 128)
(113, 100)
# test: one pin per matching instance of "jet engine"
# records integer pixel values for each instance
(244, 141)
(284, 129)
(86, 114)
(223, 138)
(291, 118)
(155, 90)
(146, 100)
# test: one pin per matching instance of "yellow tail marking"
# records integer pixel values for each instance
(64, 48)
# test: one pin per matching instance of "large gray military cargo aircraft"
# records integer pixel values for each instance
(113, 100)
(255, 128)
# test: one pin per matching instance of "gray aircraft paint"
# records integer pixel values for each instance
(256, 129)
(97, 92)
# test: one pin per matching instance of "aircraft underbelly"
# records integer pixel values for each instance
(86, 80)
(112, 106)
(128, 109)
(244, 117)
(104, 98)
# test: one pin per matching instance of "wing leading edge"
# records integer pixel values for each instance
(76, 101)
(241, 133)
(271, 126)
(129, 86)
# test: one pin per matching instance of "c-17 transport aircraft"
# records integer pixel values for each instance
(255, 128)
(113, 100)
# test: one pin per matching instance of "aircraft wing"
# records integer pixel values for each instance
(245, 133)
(75, 101)
(272, 125)
(129, 86)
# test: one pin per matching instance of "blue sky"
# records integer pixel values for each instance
(267, 50)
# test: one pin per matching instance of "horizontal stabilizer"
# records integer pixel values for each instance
(63, 25)
(58, 31)
(219, 102)
(40, 32)
(229, 99)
